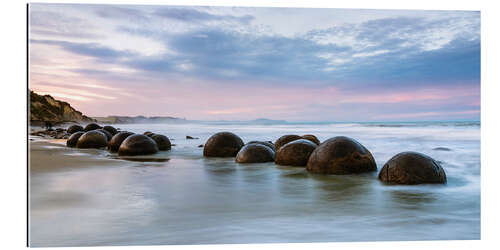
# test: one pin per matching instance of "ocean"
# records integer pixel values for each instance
(190, 199)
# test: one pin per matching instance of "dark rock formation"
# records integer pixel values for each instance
(284, 140)
(73, 139)
(91, 126)
(312, 138)
(341, 155)
(441, 149)
(108, 135)
(412, 168)
(253, 153)
(295, 153)
(137, 145)
(148, 133)
(191, 138)
(74, 128)
(92, 139)
(116, 140)
(162, 141)
(112, 130)
(265, 143)
(222, 144)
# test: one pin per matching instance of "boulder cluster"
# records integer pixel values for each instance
(124, 143)
(336, 156)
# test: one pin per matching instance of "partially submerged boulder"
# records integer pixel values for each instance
(284, 140)
(254, 153)
(265, 143)
(73, 139)
(295, 153)
(222, 144)
(341, 155)
(116, 140)
(411, 168)
(92, 139)
(74, 128)
(137, 145)
(312, 138)
(112, 130)
(162, 141)
(91, 126)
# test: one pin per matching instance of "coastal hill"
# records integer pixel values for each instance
(114, 119)
(46, 108)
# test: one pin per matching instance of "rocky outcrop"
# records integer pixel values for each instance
(45, 108)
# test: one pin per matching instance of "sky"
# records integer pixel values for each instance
(244, 63)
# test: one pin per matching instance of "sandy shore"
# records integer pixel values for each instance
(49, 155)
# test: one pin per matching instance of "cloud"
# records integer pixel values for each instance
(196, 16)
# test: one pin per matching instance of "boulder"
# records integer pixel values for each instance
(341, 155)
(108, 135)
(74, 128)
(73, 139)
(91, 126)
(222, 144)
(284, 140)
(148, 133)
(191, 138)
(116, 140)
(112, 130)
(137, 145)
(162, 141)
(265, 143)
(92, 139)
(295, 153)
(312, 138)
(411, 168)
(254, 153)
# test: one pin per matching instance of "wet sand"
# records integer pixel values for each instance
(51, 155)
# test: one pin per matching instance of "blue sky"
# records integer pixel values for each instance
(239, 63)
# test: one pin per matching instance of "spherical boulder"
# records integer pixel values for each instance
(91, 126)
(341, 155)
(295, 153)
(162, 141)
(74, 128)
(108, 134)
(312, 138)
(112, 130)
(73, 139)
(284, 140)
(411, 168)
(137, 145)
(116, 140)
(254, 153)
(92, 139)
(265, 143)
(222, 144)
(148, 133)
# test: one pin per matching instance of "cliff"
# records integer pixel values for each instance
(46, 108)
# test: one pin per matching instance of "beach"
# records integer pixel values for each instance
(88, 197)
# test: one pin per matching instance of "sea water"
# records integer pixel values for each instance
(190, 199)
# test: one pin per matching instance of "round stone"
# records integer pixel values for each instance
(112, 130)
(162, 141)
(222, 144)
(295, 153)
(73, 139)
(137, 145)
(74, 128)
(284, 140)
(92, 139)
(312, 138)
(91, 126)
(411, 168)
(265, 143)
(116, 140)
(341, 155)
(108, 135)
(148, 133)
(254, 153)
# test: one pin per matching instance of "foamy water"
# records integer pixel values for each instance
(194, 200)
